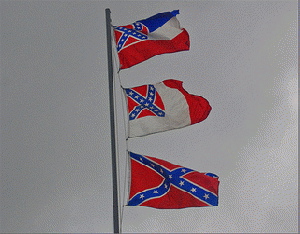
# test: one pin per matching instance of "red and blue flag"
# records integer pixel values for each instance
(159, 184)
(146, 38)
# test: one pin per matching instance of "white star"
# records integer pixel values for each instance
(193, 190)
(136, 97)
(151, 93)
(142, 101)
(170, 176)
(130, 93)
(151, 107)
(155, 191)
(160, 113)
(142, 196)
(161, 171)
(206, 196)
(134, 33)
(151, 88)
(152, 165)
(181, 183)
(126, 35)
(147, 104)
(150, 99)
(132, 115)
(166, 186)
(141, 159)
(183, 170)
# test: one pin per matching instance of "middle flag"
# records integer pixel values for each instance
(163, 106)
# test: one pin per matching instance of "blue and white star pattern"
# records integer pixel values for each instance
(147, 102)
(126, 33)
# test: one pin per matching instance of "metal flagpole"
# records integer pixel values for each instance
(112, 122)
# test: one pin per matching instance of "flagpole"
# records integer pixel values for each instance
(112, 122)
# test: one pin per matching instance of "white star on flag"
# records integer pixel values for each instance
(142, 196)
(206, 196)
(193, 190)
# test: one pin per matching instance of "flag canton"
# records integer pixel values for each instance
(145, 103)
(130, 34)
(173, 177)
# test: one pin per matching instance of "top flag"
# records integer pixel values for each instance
(146, 38)
(163, 106)
(159, 184)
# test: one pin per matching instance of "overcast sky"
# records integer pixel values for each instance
(55, 135)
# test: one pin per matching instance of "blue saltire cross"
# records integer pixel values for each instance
(174, 177)
(130, 32)
(145, 103)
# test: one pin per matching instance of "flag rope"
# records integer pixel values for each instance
(122, 200)
(117, 75)
(126, 139)
(126, 150)
(117, 153)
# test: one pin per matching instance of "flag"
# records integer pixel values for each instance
(163, 106)
(159, 184)
(146, 38)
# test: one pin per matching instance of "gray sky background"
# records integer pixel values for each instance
(55, 136)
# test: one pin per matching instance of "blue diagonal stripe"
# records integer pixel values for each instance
(200, 193)
(145, 103)
(126, 33)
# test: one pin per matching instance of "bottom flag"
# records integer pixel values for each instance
(159, 184)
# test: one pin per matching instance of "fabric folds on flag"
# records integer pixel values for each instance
(159, 184)
(163, 106)
(146, 38)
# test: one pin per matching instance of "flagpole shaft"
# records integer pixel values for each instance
(112, 122)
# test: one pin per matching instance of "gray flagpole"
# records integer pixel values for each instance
(112, 122)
